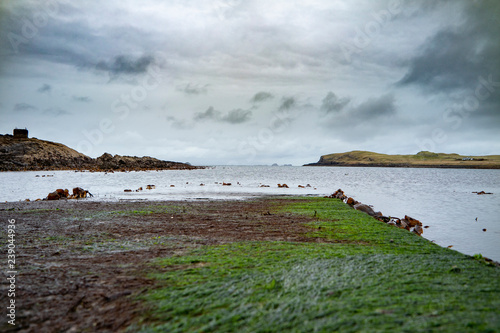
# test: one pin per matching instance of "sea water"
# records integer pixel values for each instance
(440, 198)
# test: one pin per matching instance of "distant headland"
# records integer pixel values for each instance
(18, 152)
(423, 159)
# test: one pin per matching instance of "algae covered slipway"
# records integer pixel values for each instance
(275, 264)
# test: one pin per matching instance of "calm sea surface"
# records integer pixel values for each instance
(440, 198)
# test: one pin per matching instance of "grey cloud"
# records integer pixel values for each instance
(45, 88)
(177, 123)
(24, 107)
(331, 103)
(236, 116)
(56, 112)
(68, 39)
(193, 89)
(209, 114)
(261, 97)
(83, 99)
(374, 108)
(455, 57)
(124, 64)
(287, 103)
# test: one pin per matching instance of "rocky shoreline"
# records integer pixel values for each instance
(31, 154)
(407, 222)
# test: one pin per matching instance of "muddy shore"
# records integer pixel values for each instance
(80, 263)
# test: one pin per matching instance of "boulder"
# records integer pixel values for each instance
(367, 209)
(62, 193)
(418, 230)
(79, 192)
(411, 221)
(351, 202)
(53, 196)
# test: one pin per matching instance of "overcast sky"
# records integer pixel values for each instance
(252, 82)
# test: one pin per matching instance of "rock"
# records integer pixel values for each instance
(53, 196)
(351, 202)
(150, 187)
(418, 230)
(79, 193)
(412, 222)
(365, 208)
(62, 193)
(384, 219)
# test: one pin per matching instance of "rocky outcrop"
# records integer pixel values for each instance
(407, 223)
(31, 154)
(128, 163)
(23, 154)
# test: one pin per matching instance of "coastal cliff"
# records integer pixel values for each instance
(31, 154)
(423, 159)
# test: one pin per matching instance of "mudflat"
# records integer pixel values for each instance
(271, 264)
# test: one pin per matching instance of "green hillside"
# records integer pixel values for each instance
(423, 159)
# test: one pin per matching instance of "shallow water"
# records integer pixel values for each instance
(440, 198)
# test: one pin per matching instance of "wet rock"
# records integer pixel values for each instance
(411, 221)
(367, 209)
(53, 196)
(63, 193)
(418, 230)
(384, 219)
(351, 202)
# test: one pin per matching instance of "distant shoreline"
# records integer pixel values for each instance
(421, 166)
(423, 159)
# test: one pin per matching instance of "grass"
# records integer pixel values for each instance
(370, 278)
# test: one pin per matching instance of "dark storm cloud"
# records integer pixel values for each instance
(24, 107)
(454, 57)
(83, 99)
(236, 116)
(66, 38)
(331, 103)
(189, 89)
(45, 88)
(261, 97)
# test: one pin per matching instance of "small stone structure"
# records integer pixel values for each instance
(20, 133)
